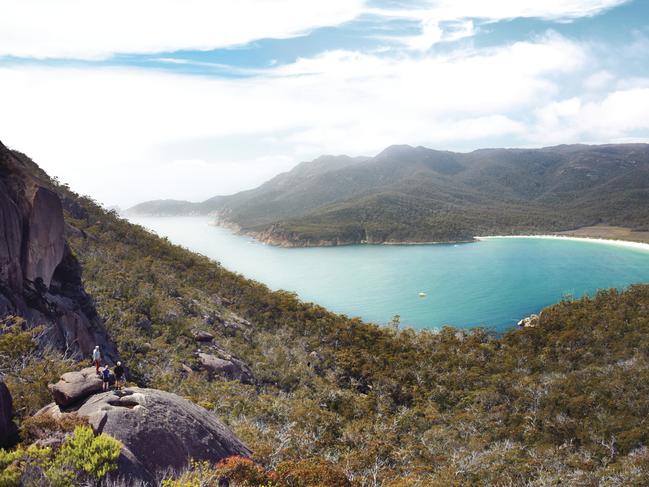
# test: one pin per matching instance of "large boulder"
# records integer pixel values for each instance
(228, 368)
(159, 431)
(75, 386)
(7, 426)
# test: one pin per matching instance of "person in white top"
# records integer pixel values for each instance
(96, 358)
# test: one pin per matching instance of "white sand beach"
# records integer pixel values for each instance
(617, 243)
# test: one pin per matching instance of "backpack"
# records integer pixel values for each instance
(105, 374)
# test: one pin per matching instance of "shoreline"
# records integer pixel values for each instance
(606, 241)
(236, 230)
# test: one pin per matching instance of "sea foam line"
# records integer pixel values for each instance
(618, 243)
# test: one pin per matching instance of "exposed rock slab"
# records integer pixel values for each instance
(159, 430)
(75, 386)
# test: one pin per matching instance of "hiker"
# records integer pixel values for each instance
(96, 358)
(105, 377)
(120, 378)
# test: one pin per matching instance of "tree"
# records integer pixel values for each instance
(395, 322)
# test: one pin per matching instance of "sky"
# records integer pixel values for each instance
(132, 100)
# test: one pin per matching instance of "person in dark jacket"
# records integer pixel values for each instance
(105, 378)
(120, 377)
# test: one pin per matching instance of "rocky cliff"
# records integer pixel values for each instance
(40, 279)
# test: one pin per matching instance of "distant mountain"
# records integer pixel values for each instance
(416, 194)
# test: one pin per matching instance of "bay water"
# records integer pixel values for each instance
(491, 283)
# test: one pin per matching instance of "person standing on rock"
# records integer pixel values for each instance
(96, 358)
(105, 378)
(120, 378)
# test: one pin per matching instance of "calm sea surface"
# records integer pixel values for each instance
(490, 283)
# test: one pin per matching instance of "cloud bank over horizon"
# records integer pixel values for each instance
(195, 99)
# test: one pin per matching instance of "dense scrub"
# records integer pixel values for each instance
(565, 402)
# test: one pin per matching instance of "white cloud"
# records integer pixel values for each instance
(95, 29)
(109, 132)
(449, 10)
(447, 20)
(91, 29)
(599, 80)
(613, 117)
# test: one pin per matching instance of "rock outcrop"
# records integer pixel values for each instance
(75, 386)
(40, 279)
(227, 367)
(203, 336)
(7, 426)
(159, 431)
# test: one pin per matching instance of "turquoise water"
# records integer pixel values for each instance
(491, 283)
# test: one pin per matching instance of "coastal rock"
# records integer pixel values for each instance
(229, 368)
(159, 431)
(75, 386)
(531, 321)
(7, 426)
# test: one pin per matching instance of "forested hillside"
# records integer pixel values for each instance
(335, 400)
(417, 194)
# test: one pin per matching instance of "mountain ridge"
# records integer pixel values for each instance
(415, 195)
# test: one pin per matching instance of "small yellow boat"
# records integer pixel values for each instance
(422, 295)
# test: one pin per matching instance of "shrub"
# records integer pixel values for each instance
(311, 473)
(199, 474)
(16, 463)
(86, 455)
(243, 470)
(239, 471)
(45, 426)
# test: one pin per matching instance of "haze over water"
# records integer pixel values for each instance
(491, 283)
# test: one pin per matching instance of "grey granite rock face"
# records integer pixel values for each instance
(40, 279)
(44, 243)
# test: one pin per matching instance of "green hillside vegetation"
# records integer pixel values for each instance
(417, 194)
(564, 403)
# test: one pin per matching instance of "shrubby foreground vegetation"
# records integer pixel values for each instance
(342, 402)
